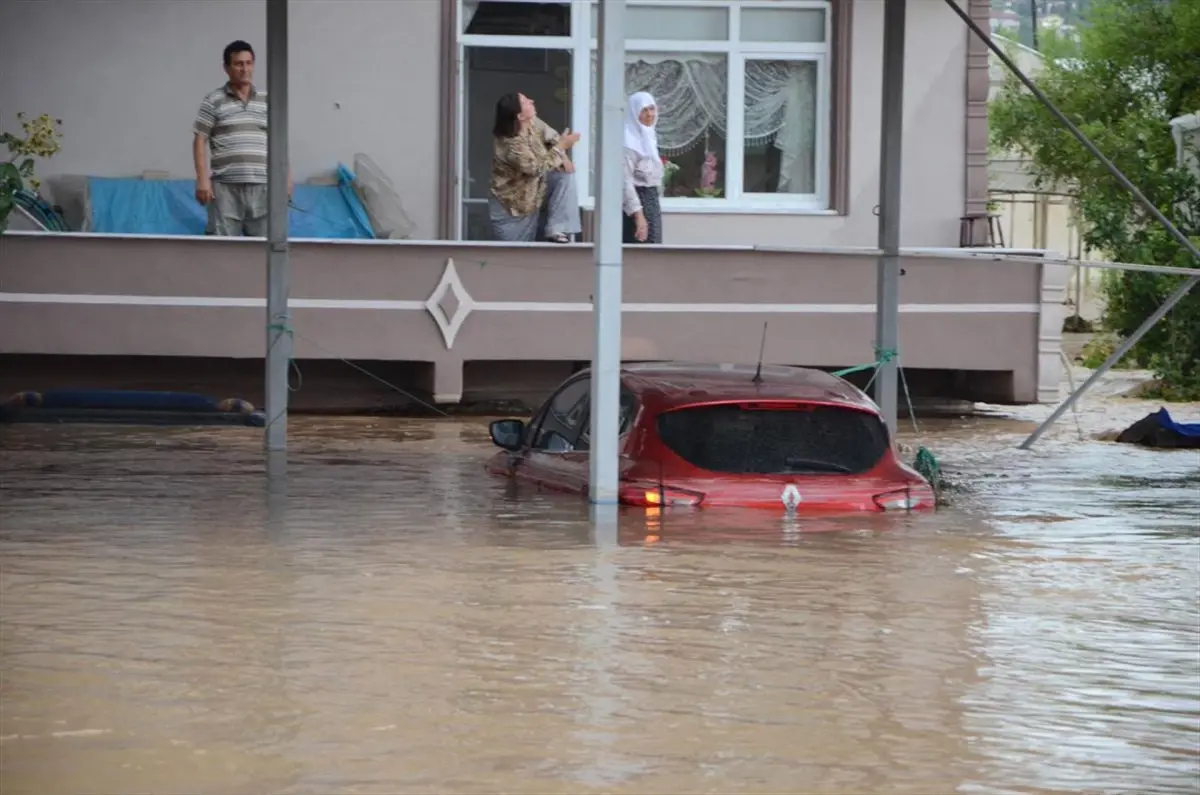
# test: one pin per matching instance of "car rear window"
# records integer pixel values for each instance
(777, 440)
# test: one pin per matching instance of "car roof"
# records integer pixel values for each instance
(673, 384)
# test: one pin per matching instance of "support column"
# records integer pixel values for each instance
(887, 294)
(279, 320)
(606, 309)
(447, 381)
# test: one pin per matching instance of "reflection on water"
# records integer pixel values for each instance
(397, 622)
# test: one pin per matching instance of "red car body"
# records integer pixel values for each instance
(791, 439)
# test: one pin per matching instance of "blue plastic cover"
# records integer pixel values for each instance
(1191, 429)
(125, 399)
(134, 206)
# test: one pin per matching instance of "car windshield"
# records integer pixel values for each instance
(764, 439)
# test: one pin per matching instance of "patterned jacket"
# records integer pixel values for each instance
(519, 166)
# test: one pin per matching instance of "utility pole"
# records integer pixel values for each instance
(1033, 14)
(887, 280)
(603, 463)
(279, 320)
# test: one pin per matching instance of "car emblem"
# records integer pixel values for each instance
(791, 497)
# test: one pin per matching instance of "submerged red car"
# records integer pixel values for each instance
(706, 435)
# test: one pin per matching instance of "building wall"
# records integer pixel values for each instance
(934, 139)
(126, 76)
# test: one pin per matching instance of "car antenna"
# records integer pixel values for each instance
(762, 347)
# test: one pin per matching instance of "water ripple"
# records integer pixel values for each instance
(399, 622)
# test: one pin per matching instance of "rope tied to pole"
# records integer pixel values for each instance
(882, 357)
(283, 327)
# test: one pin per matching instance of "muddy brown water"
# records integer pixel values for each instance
(399, 622)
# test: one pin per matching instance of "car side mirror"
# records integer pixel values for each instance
(508, 434)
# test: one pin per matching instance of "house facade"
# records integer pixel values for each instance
(785, 94)
(770, 108)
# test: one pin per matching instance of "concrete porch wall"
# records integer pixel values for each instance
(448, 304)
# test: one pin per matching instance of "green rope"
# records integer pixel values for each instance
(883, 356)
(286, 328)
(927, 465)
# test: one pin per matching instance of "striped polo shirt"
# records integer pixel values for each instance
(237, 134)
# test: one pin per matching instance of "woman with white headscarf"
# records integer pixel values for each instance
(643, 172)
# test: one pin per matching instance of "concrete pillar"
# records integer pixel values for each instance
(447, 381)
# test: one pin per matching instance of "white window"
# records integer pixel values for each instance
(742, 88)
(743, 95)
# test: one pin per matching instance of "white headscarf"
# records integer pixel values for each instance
(639, 137)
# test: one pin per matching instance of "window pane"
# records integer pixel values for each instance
(783, 24)
(781, 127)
(561, 424)
(692, 93)
(509, 18)
(477, 223)
(820, 440)
(628, 412)
(671, 22)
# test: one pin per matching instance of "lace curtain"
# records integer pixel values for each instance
(692, 92)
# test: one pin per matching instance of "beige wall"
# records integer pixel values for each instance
(126, 78)
(934, 143)
(994, 318)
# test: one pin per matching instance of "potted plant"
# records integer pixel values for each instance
(41, 137)
(670, 169)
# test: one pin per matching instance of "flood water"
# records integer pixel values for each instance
(398, 622)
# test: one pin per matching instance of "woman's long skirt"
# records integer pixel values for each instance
(653, 212)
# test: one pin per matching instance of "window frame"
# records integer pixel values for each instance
(736, 53)
(582, 43)
(822, 142)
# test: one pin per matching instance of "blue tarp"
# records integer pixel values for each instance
(124, 399)
(169, 207)
(1159, 430)
(1190, 429)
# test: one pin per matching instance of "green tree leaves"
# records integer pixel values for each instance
(1137, 67)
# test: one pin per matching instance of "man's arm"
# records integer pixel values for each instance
(206, 117)
(199, 159)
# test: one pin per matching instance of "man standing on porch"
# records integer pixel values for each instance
(231, 128)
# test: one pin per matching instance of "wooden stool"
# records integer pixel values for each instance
(969, 225)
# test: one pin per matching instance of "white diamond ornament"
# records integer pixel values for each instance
(451, 285)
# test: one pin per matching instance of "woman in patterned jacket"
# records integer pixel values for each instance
(533, 178)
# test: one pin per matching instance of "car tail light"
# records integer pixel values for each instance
(901, 500)
(650, 495)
